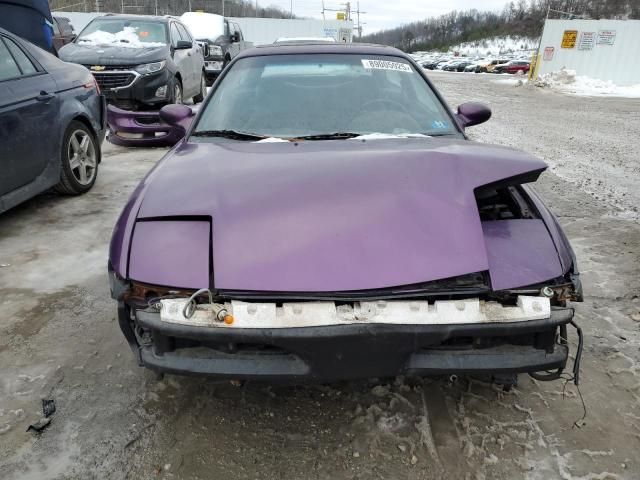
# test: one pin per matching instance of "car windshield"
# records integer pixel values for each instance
(293, 96)
(124, 33)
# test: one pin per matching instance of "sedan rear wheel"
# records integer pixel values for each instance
(79, 157)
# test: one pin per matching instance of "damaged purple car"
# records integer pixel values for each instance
(325, 217)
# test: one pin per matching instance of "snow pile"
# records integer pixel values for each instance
(567, 81)
(496, 46)
(204, 25)
(126, 38)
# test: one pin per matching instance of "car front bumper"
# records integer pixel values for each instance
(143, 129)
(339, 352)
(141, 93)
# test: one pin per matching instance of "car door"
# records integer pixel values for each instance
(241, 43)
(28, 110)
(181, 57)
(234, 45)
(192, 59)
(58, 36)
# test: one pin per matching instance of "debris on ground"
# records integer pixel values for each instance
(40, 424)
(48, 407)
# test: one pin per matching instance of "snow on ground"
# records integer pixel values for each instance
(126, 38)
(567, 81)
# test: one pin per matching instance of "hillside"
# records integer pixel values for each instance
(235, 8)
(523, 18)
(496, 45)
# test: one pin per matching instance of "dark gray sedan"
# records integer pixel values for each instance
(52, 123)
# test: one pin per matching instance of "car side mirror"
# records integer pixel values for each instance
(235, 37)
(204, 46)
(472, 113)
(183, 45)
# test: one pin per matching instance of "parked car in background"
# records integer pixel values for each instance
(52, 123)
(255, 250)
(140, 62)
(513, 66)
(445, 63)
(223, 36)
(62, 32)
(431, 64)
(299, 40)
(493, 64)
(458, 66)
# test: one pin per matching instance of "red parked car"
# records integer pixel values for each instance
(514, 66)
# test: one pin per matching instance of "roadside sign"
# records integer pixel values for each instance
(341, 16)
(548, 53)
(587, 40)
(569, 38)
(606, 37)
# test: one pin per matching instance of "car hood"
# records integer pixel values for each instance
(111, 55)
(320, 216)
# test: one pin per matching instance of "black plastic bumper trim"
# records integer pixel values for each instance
(328, 353)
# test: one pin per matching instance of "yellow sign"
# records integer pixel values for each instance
(341, 16)
(569, 38)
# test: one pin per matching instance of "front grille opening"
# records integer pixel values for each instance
(108, 81)
(204, 349)
(542, 340)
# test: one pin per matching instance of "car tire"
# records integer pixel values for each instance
(176, 91)
(80, 156)
(203, 89)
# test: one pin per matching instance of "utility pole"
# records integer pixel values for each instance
(291, 10)
(359, 25)
(223, 8)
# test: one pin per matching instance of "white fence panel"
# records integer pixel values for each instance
(603, 49)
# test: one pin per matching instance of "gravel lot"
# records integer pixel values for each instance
(59, 339)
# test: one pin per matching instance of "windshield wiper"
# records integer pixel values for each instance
(328, 136)
(228, 134)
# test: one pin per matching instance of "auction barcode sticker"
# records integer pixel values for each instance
(386, 65)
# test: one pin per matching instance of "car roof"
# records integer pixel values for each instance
(151, 18)
(292, 48)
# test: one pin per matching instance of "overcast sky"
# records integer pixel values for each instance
(383, 14)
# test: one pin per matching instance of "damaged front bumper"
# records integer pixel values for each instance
(128, 128)
(330, 351)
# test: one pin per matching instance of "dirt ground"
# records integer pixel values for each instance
(59, 339)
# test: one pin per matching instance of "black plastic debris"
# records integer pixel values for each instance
(39, 425)
(48, 407)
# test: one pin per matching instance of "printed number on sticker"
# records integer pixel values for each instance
(386, 65)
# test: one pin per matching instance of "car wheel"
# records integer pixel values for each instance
(79, 157)
(176, 92)
(203, 90)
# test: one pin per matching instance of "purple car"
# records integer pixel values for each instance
(325, 217)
